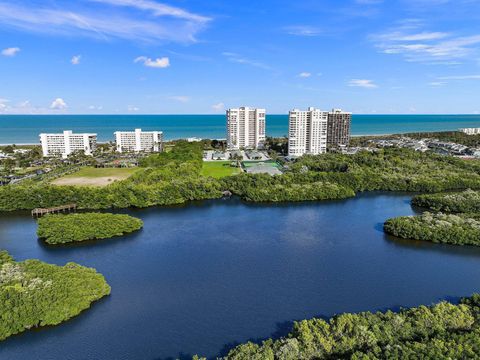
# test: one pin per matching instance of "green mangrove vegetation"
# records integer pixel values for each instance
(457, 221)
(458, 202)
(439, 228)
(175, 177)
(442, 331)
(60, 229)
(34, 294)
(387, 170)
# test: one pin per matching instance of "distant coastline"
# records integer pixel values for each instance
(220, 139)
(24, 129)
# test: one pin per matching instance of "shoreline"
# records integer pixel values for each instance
(223, 139)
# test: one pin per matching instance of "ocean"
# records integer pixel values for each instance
(24, 129)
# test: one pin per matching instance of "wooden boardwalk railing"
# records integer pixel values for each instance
(54, 210)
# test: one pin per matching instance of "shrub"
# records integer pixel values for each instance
(33, 293)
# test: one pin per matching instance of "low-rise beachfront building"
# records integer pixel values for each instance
(245, 128)
(471, 131)
(139, 141)
(307, 132)
(65, 143)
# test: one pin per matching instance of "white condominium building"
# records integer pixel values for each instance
(139, 141)
(67, 143)
(307, 132)
(245, 128)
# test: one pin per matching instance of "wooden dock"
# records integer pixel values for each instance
(54, 210)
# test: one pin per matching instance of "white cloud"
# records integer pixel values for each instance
(26, 107)
(218, 107)
(236, 58)
(460, 77)
(3, 105)
(180, 98)
(76, 59)
(363, 83)
(25, 104)
(58, 104)
(156, 9)
(151, 22)
(417, 45)
(12, 51)
(305, 74)
(303, 30)
(163, 62)
(132, 108)
(94, 107)
(437, 83)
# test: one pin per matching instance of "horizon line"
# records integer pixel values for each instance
(207, 114)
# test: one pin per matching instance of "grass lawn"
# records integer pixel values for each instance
(218, 169)
(90, 176)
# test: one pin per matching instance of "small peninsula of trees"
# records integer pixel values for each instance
(458, 202)
(59, 229)
(457, 221)
(33, 293)
(438, 228)
(442, 331)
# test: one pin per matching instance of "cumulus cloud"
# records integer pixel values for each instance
(363, 83)
(218, 107)
(305, 74)
(132, 108)
(76, 60)
(10, 52)
(26, 107)
(163, 62)
(58, 104)
(3, 105)
(149, 21)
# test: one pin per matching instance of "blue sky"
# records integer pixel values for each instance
(194, 56)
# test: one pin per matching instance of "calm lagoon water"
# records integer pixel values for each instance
(24, 129)
(202, 277)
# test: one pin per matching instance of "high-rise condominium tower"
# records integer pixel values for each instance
(245, 128)
(338, 131)
(307, 132)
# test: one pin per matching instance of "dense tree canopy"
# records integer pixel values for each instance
(33, 293)
(459, 202)
(170, 179)
(59, 229)
(183, 151)
(442, 331)
(439, 228)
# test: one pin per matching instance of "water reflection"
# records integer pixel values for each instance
(202, 277)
